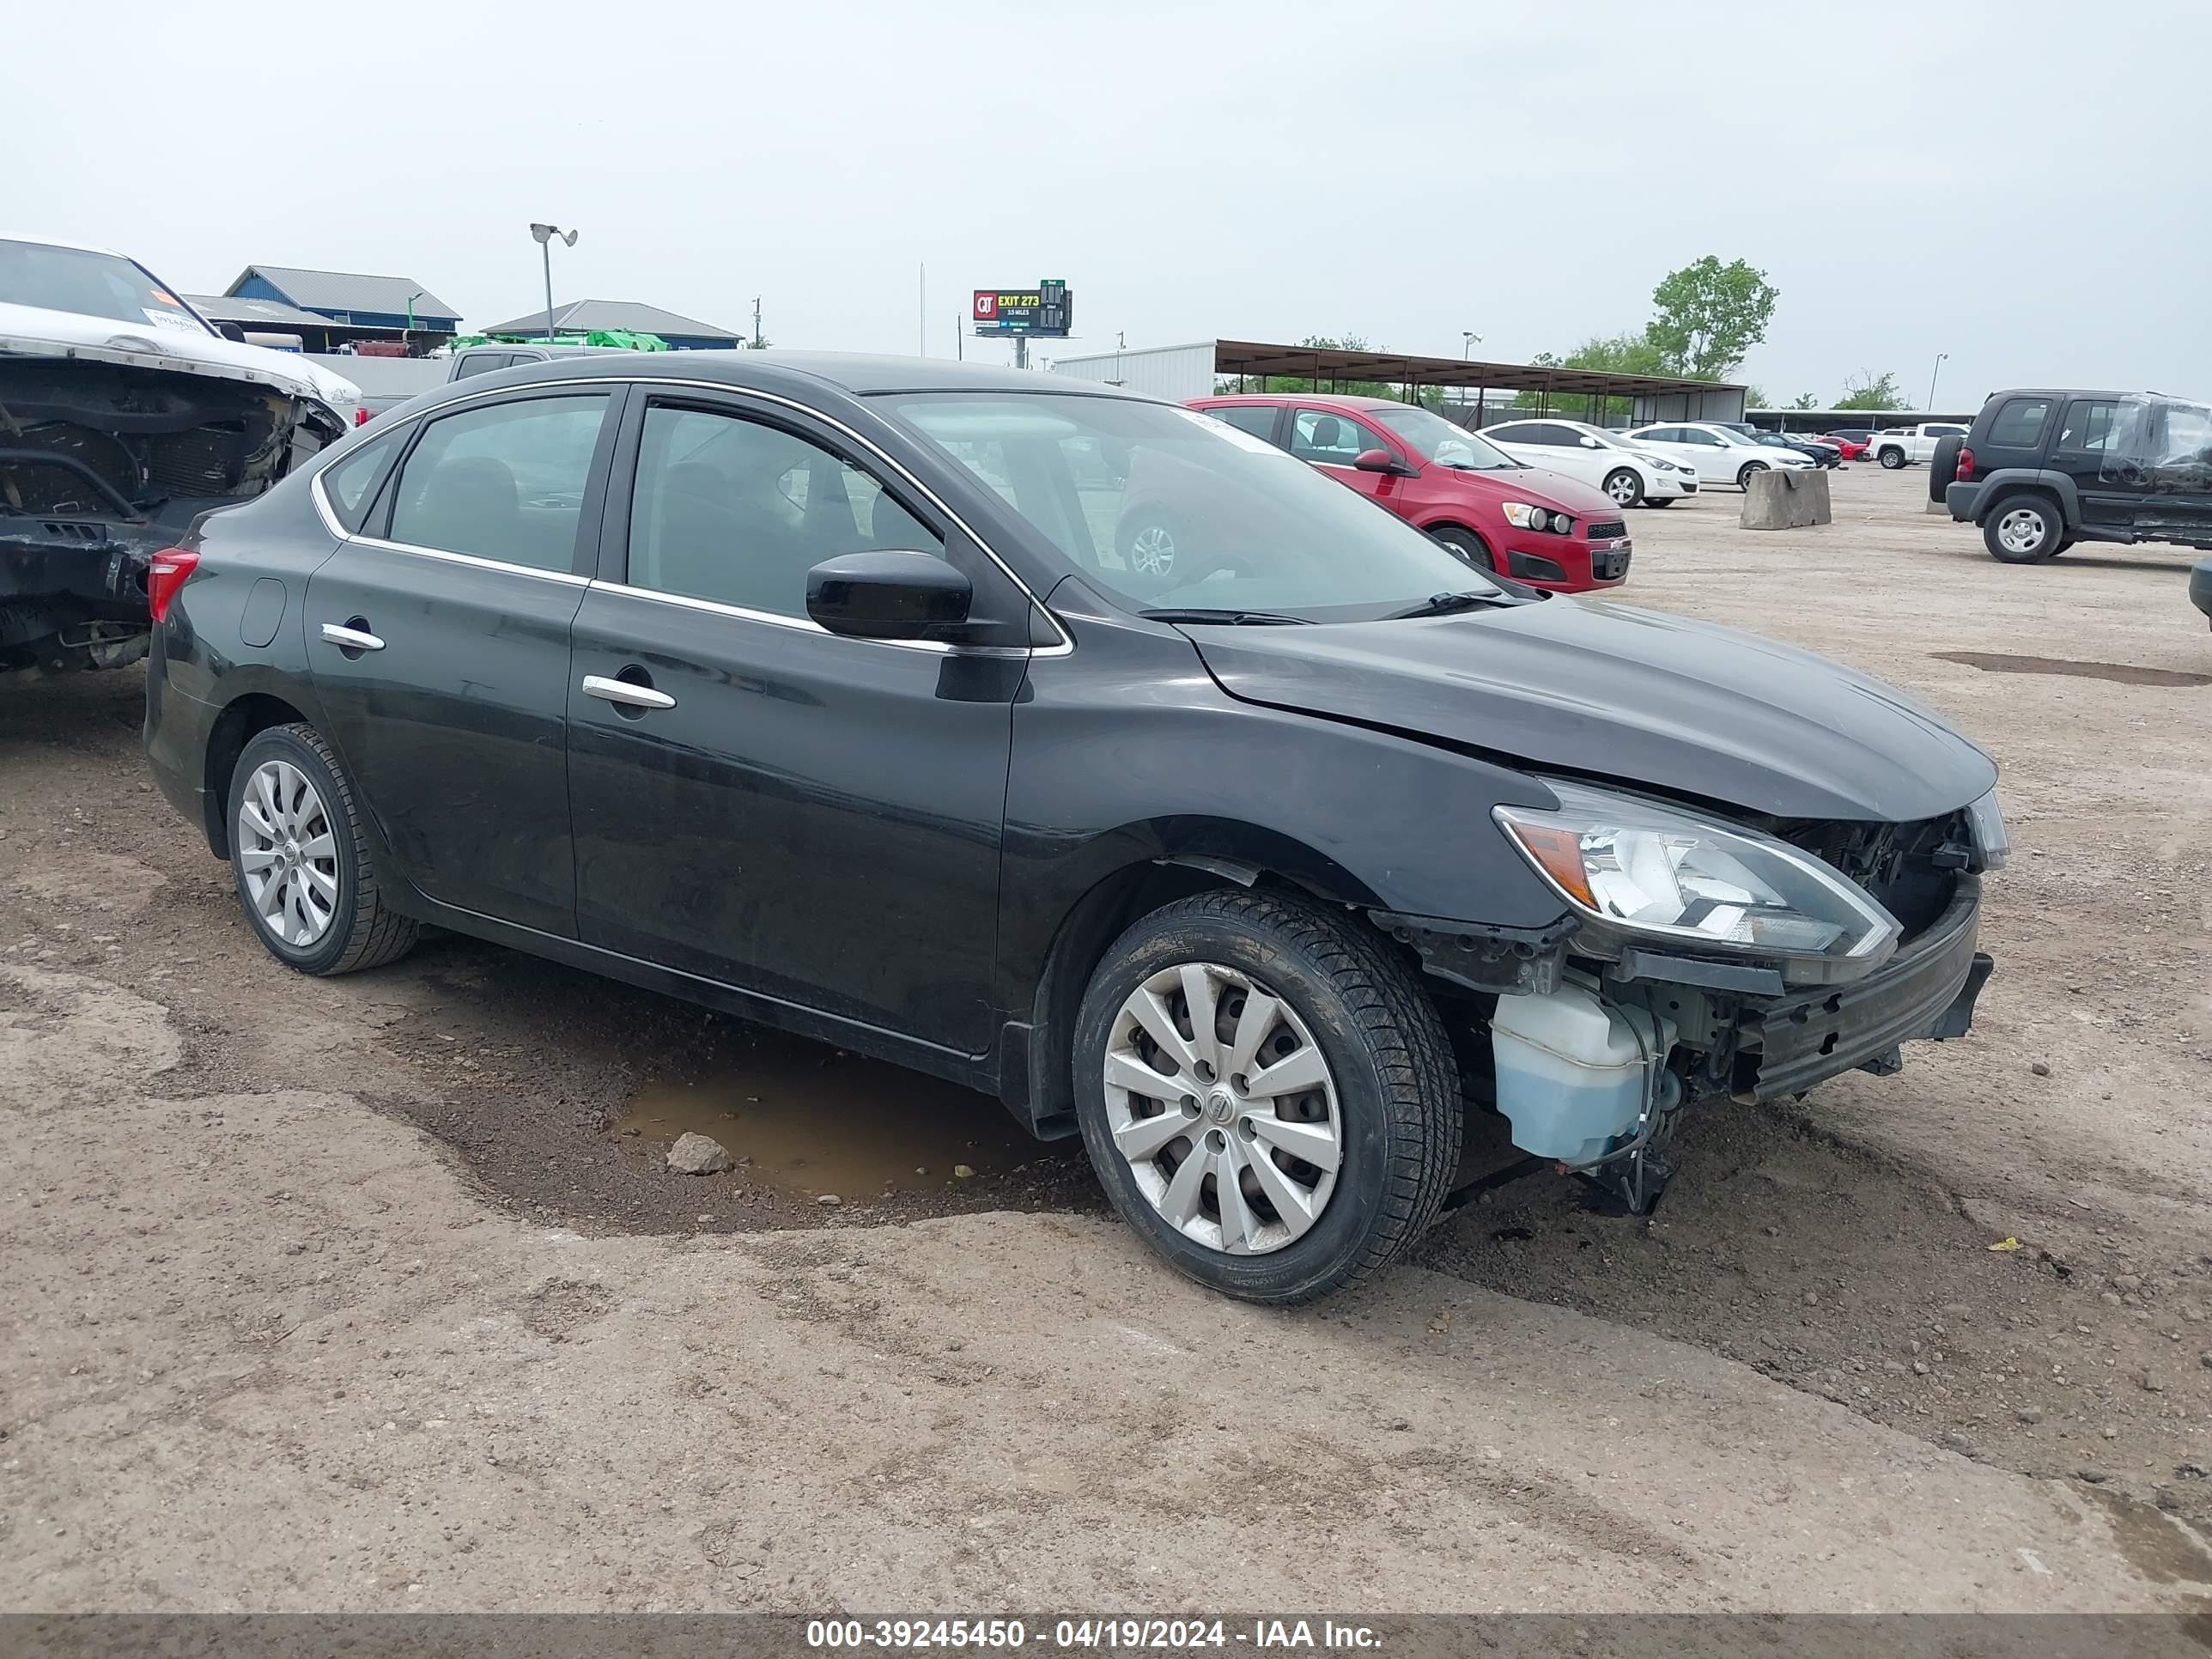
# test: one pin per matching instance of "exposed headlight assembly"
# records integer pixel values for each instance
(1640, 873)
(1654, 460)
(1523, 516)
(1986, 816)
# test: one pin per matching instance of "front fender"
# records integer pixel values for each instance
(1129, 752)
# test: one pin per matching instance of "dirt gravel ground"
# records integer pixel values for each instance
(372, 1293)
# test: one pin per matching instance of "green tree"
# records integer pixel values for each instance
(1710, 317)
(1870, 390)
(1805, 400)
(1612, 354)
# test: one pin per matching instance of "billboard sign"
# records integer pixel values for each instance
(1044, 309)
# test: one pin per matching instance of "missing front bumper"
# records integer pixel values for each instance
(1927, 990)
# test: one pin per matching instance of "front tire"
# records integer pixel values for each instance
(300, 857)
(1267, 1094)
(2023, 530)
(1467, 547)
(1625, 488)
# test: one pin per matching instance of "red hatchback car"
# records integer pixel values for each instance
(1494, 512)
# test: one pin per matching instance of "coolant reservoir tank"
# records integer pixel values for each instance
(1571, 1072)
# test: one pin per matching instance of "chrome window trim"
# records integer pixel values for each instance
(808, 625)
(1064, 647)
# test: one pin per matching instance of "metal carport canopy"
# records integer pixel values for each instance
(1396, 369)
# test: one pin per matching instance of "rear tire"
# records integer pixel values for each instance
(1467, 546)
(1751, 470)
(1324, 994)
(300, 857)
(2024, 530)
(1890, 458)
(1625, 488)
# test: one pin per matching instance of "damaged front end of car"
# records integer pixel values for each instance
(1708, 958)
(103, 464)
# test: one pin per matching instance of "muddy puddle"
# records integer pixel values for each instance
(803, 1117)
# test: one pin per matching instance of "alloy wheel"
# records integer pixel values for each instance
(1224, 1107)
(1621, 486)
(287, 856)
(1152, 550)
(2022, 529)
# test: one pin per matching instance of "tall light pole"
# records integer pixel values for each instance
(1469, 339)
(1932, 373)
(545, 233)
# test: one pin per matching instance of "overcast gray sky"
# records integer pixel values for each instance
(2026, 185)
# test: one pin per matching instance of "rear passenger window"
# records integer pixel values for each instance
(2088, 425)
(482, 363)
(1259, 420)
(2019, 424)
(738, 512)
(350, 485)
(505, 481)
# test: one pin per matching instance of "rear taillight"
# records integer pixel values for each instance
(361, 415)
(1965, 462)
(165, 573)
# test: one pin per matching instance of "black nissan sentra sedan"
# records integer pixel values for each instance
(815, 689)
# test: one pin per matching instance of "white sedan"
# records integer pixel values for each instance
(1717, 453)
(1630, 473)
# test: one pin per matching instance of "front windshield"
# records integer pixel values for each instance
(90, 284)
(1438, 441)
(1167, 508)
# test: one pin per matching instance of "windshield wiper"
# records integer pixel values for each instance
(1440, 604)
(1227, 618)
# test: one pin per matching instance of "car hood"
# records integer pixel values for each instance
(1614, 691)
(1543, 487)
(35, 332)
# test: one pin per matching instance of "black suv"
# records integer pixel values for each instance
(2041, 470)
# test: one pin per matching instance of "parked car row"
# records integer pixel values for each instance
(840, 693)
(1495, 511)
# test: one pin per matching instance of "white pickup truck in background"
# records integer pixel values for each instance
(1911, 445)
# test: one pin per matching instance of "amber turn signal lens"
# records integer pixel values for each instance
(1560, 853)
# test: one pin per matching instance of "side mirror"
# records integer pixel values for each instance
(231, 331)
(892, 595)
(1590, 442)
(1376, 460)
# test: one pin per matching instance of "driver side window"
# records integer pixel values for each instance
(1330, 440)
(736, 510)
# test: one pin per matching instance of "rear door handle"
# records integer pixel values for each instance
(352, 639)
(624, 693)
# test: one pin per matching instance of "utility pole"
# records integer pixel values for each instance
(921, 310)
(756, 325)
(1932, 373)
(960, 339)
(1021, 351)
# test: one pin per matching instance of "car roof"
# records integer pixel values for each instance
(556, 347)
(1339, 402)
(2057, 391)
(859, 372)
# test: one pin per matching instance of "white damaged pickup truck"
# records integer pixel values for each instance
(124, 416)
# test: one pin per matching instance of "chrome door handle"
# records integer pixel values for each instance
(622, 692)
(353, 639)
